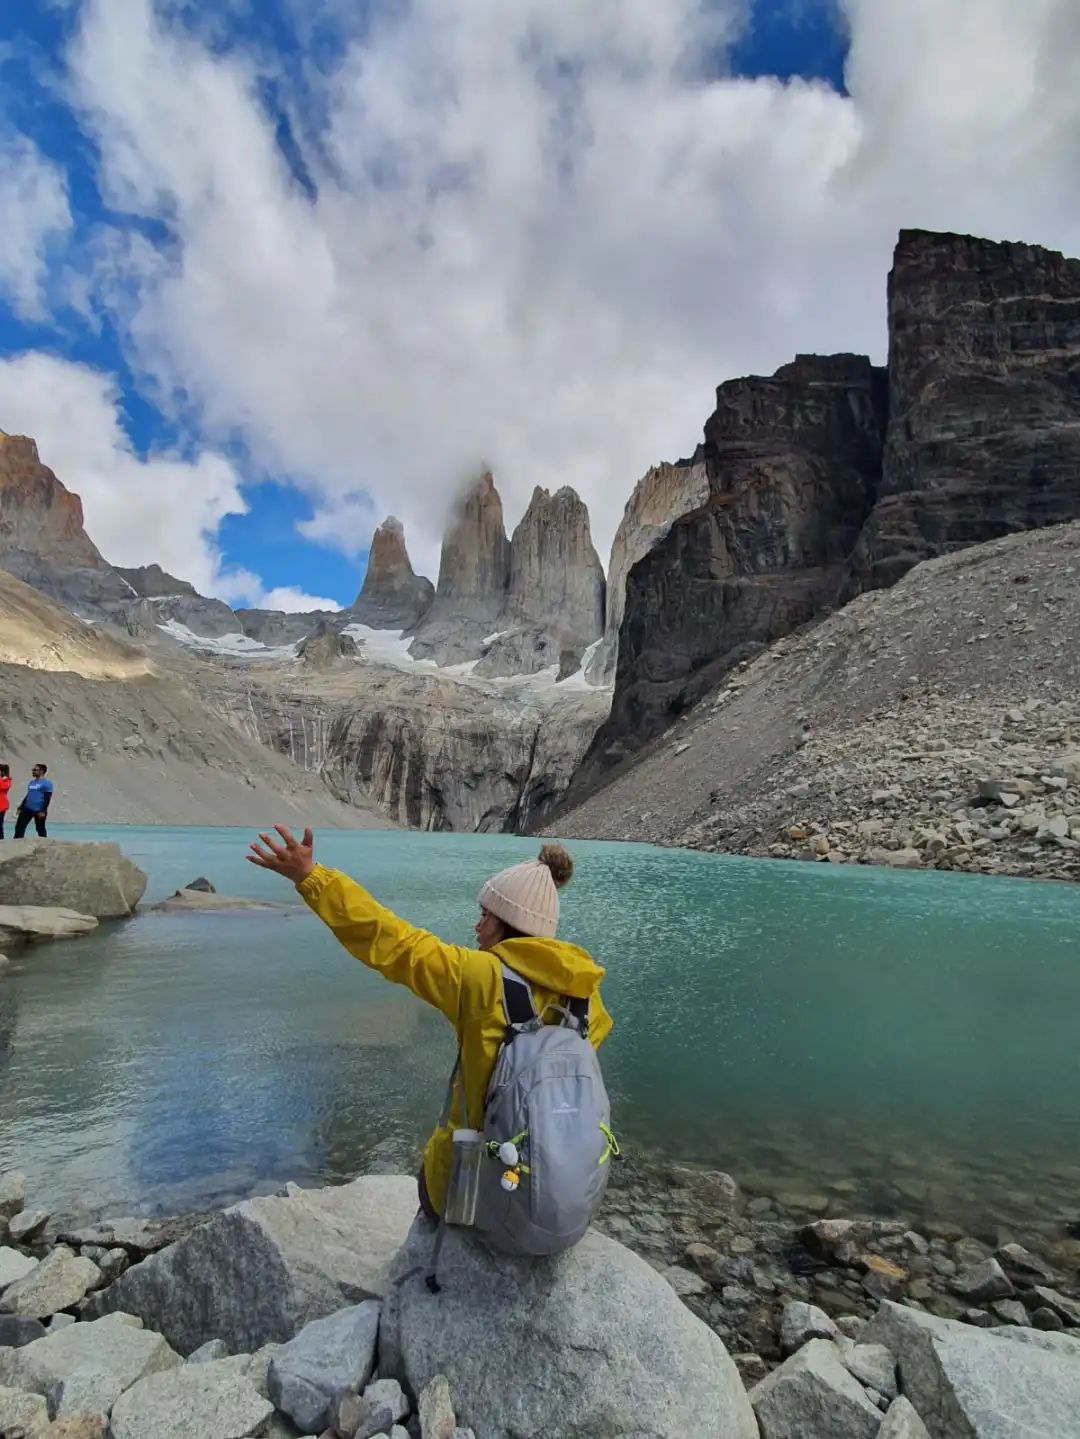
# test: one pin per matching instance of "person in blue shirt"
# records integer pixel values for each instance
(35, 804)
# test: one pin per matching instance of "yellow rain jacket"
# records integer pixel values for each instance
(466, 984)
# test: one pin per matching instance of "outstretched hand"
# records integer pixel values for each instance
(293, 859)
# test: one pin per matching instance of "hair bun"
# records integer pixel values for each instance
(558, 862)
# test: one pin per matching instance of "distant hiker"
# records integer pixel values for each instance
(35, 804)
(5, 790)
(527, 1010)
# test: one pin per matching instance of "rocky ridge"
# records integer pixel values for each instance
(932, 725)
(42, 538)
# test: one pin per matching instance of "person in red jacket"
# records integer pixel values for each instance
(5, 790)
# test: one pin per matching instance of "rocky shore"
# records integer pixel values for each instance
(308, 1314)
(934, 725)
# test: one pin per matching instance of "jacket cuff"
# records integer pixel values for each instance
(316, 881)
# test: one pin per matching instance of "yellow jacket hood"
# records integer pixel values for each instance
(553, 964)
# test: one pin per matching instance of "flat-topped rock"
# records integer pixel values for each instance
(200, 1401)
(29, 923)
(58, 1282)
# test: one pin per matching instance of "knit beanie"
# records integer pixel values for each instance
(526, 896)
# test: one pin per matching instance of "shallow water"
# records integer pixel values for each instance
(906, 1042)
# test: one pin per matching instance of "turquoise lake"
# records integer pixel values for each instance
(908, 1043)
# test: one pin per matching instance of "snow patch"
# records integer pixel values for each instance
(236, 644)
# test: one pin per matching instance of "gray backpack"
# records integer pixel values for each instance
(547, 1138)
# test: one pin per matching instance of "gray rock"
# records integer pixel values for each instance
(137, 1237)
(902, 1422)
(327, 1358)
(346, 1418)
(1011, 1311)
(112, 1264)
(58, 1282)
(1023, 1266)
(985, 1281)
(93, 879)
(212, 1349)
(595, 1341)
(388, 1394)
(16, 1330)
(686, 1283)
(436, 1409)
(1046, 1319)
(1053, 1343)
(22, 1415)
(1068, 1309)
(26, 923)
(12, 1193)
(874, 1366)
(813, 1393)
(201, 1401)
(14, 1265)
(802, 1322)
(87, 1366)
(78, 1426)
(59, 1321)
(25, 1226)
(957, 1380)
(263, 1269)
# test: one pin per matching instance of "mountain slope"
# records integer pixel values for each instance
(868, 736)
(126, 742)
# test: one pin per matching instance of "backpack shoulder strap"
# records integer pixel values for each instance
(517, 1000)
(578, 1009)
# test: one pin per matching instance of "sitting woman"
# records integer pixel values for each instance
(519, 914)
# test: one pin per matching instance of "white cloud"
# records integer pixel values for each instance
(295, 601)
(543, 232)
(165, 508)
(33, 215)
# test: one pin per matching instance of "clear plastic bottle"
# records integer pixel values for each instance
(464, 1189)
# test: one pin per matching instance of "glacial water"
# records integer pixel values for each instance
(904, 1042)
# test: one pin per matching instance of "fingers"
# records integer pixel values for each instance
(309, 838)
(264, 857)
(287, 836)
(275, 849)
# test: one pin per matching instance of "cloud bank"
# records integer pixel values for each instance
(533, 234)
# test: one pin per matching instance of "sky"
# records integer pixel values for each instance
(271, 270)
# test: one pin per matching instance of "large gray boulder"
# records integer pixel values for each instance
(93, 879)
(591, 1343)
(28, 923)
(58, 1282)
(260, 1271)
(23, 1414)
(328, 1358)
(902, 1422)
(14, 1265)
(86, 1367)
(813, 1393)
(967, 1383)
(196, 1401)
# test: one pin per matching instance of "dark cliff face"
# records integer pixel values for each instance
(151, 582)
(984, 400)
(393, 596)
(793, 464)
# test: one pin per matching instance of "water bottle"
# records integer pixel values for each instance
(464, 1188)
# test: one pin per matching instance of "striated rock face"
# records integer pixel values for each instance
(42, 539)
(793, 463)
(474, 572)
(984, 400)
(428, 750)
(151, 582)
(278, 627)
(663, 494)
(392, 597)
(554, 605)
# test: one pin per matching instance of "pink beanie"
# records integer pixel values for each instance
(526, 896)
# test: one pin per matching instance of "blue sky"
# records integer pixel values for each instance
(283, 267)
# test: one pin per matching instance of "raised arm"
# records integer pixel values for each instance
(375, 935)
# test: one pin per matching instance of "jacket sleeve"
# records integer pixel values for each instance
(378, 938)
